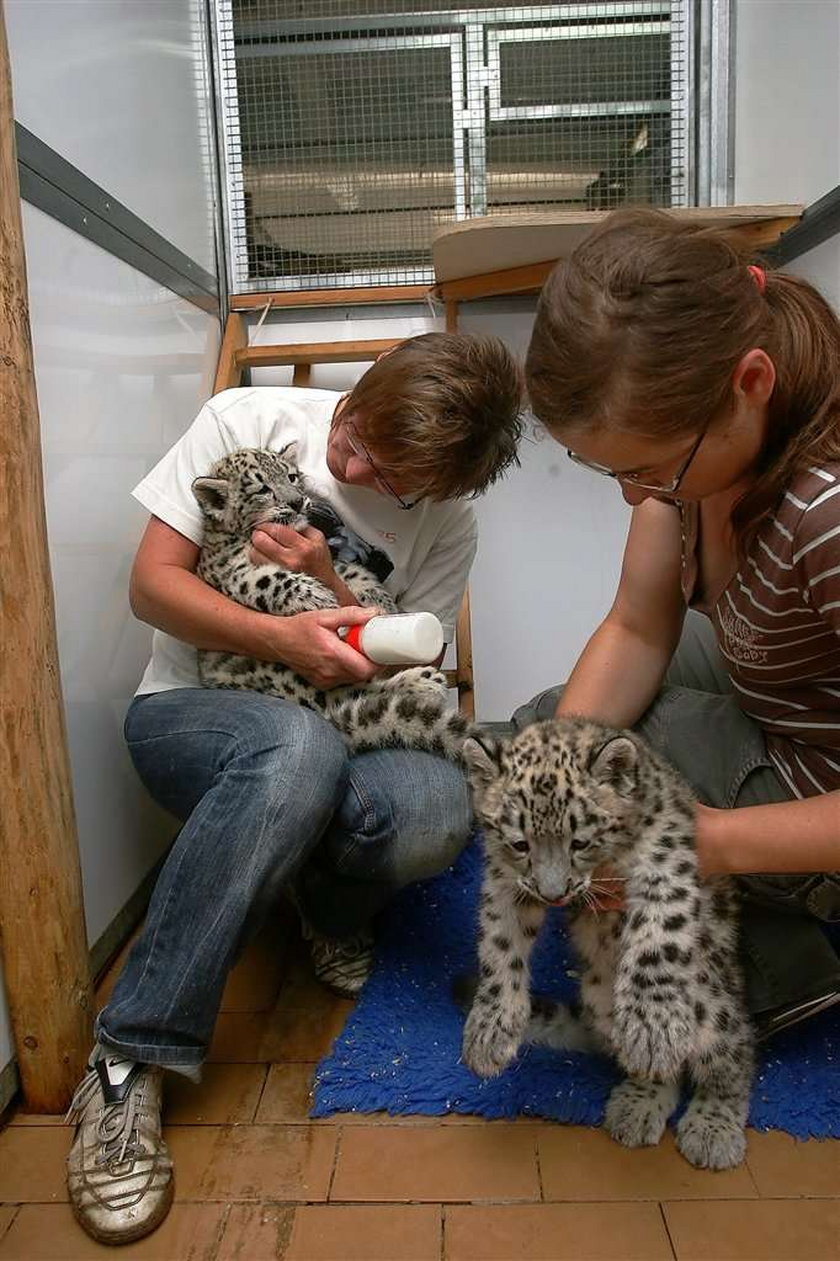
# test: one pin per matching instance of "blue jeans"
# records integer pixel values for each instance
(268, 798)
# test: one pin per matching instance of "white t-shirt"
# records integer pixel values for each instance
(432, 546)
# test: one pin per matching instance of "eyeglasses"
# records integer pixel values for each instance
(670, 489)
(358, 448)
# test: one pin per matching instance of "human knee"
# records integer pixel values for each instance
(405, 826)
(290, 740)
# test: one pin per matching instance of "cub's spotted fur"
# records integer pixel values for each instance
(661, 987)
(251, 487)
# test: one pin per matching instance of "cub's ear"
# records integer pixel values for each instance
(212, 495)
(290, 453)
(617, 763)
(482, 757)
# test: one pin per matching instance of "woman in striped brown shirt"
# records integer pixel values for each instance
(710, 389)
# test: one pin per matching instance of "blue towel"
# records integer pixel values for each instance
(399, 1051)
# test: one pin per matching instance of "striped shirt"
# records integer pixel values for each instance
(778, 628)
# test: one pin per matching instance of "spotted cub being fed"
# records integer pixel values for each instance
(661, 985)
(247, 488)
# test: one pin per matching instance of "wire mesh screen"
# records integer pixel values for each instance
(354, 130)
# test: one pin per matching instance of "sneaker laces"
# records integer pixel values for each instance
(349, 948)
(116, 1129)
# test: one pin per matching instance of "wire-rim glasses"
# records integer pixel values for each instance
(670, 488)
(358, 448)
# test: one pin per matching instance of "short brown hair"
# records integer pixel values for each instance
(642, 328)
(441, 410)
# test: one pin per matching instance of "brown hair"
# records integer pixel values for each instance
(441, 411)
(642, 328)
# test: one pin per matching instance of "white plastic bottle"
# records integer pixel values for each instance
(398, 639)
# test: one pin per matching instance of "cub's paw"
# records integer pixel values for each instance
(652, 1044)
(488, 1046)
(424, 683)
(711, 1139)
(637, 1112)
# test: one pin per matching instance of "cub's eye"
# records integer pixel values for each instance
(521, 847)
(578, 843)
(294, 477)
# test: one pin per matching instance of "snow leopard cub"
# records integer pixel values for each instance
(661, 987)
(250, 487)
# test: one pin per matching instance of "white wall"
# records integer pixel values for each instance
(787, 100)
(122, 366)
(117, 88)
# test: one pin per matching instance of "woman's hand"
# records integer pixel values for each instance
(309, 644)
(301, 551)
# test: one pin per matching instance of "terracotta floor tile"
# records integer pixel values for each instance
(782, 1166)
(287, 1095)
(431, 1163)
(582, 1164)
(50, 1233)
(227, 1095)
(32, 1163)
(379, 1118)
(252, 1162)
(304, 1033)
(8, 1213)
(287, 1099)
(257, 1232)
(284, 1033)
(255, 981)
(35, 1118)
(299, 987)
(404, 1232)
(555, 1232)
(760, 1230)
(238, 1038)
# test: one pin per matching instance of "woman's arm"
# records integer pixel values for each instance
(785, 836)
(166, 592)
(621, 668)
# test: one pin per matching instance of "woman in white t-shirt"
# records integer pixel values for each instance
(268, 798)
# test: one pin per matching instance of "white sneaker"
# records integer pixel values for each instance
(341, 963)
(119, 1171)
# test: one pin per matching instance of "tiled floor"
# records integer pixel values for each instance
(256, 1180)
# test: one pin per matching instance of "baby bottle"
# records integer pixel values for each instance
(398, 639)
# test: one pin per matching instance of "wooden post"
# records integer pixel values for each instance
(229, 373)
(463, 656)
(46, 963)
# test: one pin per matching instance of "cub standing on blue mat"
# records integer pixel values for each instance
(264, 788)
(709, 388)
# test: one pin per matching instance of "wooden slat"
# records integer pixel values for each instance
(452, 317)
(314, 352)
(463, 656)
(46, 965)
(759, 236)
(528, 279)
(229, 372)
(329, 297)
(302, 374)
